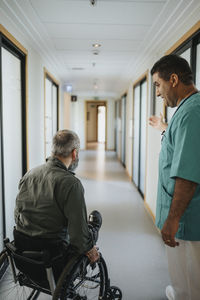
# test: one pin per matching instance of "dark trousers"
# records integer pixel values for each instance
(55, 248)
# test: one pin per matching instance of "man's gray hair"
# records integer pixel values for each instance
(64, 142)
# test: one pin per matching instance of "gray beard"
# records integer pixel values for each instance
(74, 164)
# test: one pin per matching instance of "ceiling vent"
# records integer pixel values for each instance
(95, 52)
(93, 2)
(78, 69)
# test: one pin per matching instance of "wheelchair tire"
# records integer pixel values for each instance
(81, 280)
(3, 264)
(10, 290)
(114, 293)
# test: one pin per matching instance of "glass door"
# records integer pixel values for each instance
(139, 135)
(136, 135)
(123, 140)
(51, 113)
(171, 110)
(117, 127)
(13, 131)
(143, 124)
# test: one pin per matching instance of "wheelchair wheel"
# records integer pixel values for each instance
(114, 293)
(83, 281)
(9, 289)
(3, 264)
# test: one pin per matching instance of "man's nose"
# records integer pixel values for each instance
(157, 93)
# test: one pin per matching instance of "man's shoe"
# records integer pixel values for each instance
(95, 219)
(170, 293)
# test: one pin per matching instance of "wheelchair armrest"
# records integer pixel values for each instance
(42, 256)
(37, 257)
(33, 254)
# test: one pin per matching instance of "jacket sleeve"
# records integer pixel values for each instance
(76, 214)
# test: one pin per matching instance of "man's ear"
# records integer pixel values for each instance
(74, 153)
(174, 79)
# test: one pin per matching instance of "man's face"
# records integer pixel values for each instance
(74, 163)
(165, 90)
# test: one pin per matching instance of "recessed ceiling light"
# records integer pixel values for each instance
(68, 88)
(96, 45)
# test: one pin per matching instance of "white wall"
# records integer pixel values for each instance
(35, 109)
(66, 111)
(61, 107)
(77, 121)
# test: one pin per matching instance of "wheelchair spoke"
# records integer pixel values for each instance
(88, 286)
(85, 282)
(92, 279)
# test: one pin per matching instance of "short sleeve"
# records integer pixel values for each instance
(186, 156)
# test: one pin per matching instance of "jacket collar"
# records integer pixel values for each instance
(55, 161)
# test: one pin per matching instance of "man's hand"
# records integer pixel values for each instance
(93, 254)
(158, 122)
(169, 231)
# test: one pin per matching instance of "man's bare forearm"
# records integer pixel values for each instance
(183, 193)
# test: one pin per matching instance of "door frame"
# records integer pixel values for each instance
(140, 80)
(98, 103)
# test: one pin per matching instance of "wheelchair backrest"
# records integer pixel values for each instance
(31, 263)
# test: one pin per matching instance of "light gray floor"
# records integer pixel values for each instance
(129, 241)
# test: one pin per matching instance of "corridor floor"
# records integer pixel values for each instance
(129, 241)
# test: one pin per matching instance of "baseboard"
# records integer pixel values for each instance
(150, 211)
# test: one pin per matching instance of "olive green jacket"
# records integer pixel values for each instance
(51, 204)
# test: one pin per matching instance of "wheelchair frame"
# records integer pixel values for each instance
(65, 283)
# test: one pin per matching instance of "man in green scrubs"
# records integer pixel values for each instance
(178, 198)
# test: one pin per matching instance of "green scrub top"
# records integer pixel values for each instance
(180, 157)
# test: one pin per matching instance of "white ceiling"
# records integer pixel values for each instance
(64, 31)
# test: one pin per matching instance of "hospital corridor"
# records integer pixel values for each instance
(84, 68)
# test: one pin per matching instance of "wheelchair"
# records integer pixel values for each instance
(79, 280)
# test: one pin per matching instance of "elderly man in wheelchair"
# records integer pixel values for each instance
(54, 249)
